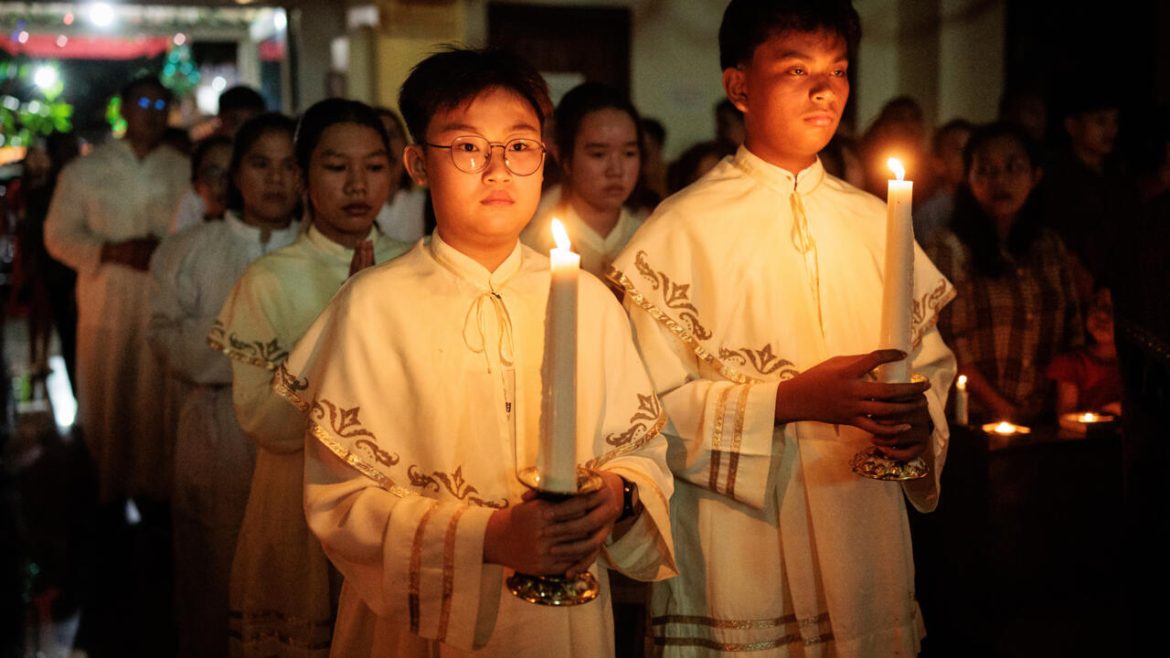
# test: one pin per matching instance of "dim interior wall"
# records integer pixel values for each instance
(971, 59)
(315, 24)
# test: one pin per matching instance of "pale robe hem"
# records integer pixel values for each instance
(700, 345)
(369, 479)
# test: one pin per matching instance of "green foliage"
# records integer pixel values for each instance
(23, 115)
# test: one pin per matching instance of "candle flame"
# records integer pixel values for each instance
(560, 236)
(962, 385)
(895, 166)
(1005, 427)
(1089, 417)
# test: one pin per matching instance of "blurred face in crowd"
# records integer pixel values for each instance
(211, 181)
(1094, 133)
(948, 161)
(481, 213)
(792, 94)
(1002, 176)
(348, 181)
(145, 112)
(268, 180)
(603, 168)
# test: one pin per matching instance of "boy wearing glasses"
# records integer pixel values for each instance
(422, 385)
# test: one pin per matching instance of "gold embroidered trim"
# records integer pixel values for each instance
(287, 386)
(448, 573)
(717, 439)
(676, 296)
(651, 432)
(257, 353)
(924, 314)
(416, 568)
(680, 332)
(256, 636)
(741, 624)
(356, 462)
(455, 485)
(763, 360)
(737, 440)
(791, 638)
(648, 411)
(270, 616)
(738, 624)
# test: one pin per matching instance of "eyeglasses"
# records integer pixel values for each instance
(471, 154)
(159, 105)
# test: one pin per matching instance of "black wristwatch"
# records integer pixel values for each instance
(631, 504)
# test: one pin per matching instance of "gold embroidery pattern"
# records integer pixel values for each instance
(623, 283)
(633, 445)
(925, 312)
(815, 624)
(288, 386)
(717, 439)
(647, 413)
(257, 352)
(763, 360)
(676, 296)
(455, 485)
(416, 567)
(346, 424)
(358, 464)
(448, 573)
(737, 440)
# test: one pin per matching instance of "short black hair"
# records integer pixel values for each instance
(143, 82)
(582, 100)
(749, 23)
(241, 97)
(451, 77)
(330, 112)
(249, 133)
(946, 129)
(654, 129)
(199, 153)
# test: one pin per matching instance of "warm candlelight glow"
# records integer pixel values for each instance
(560, 236)
(962, 385)
(1089, 417)
(895, 166)
(1004, 428)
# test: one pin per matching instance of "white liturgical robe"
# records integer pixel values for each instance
(282, 594)
(597, 251)
(194, 271)
(112, 195)
(422, 386)
(744, 279)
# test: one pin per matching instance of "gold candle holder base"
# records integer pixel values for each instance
(873, 464)
(556, 590)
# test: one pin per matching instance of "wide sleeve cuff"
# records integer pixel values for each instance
(741, 439)
(646, 550)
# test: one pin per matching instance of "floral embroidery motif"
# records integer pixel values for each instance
(288, 387)
(455, 484)
(645, 417)
(675, 295)
(257, 352)
(346, 424)
(929, 303)
(763, 360)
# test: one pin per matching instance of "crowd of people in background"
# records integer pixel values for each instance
(248, 234)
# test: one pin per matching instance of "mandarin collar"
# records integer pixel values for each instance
(778, 178)
(278, 236)
(331, 248)
(468, 269)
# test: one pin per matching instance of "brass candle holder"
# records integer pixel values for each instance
(872, 463)
(556, 590)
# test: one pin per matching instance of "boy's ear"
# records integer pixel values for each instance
(416, 164)
(735, 86)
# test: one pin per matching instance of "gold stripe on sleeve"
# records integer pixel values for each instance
(416, 567)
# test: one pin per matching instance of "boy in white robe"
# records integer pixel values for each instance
(422, 385)
(755, 296)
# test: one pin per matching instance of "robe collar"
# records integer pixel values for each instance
(778, 178)
(332, 249)
(278, 236)
(468, 269)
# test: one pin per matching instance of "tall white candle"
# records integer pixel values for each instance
(898, 291)
(557, 461)
(961, 401)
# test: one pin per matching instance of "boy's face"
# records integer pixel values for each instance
(792, 93)
(484, 211)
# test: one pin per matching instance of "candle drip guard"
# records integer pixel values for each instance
(872, 463)
(556, 590)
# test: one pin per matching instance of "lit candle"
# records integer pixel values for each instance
(1004, 428)
(961, 400)
(1089, 417)
(898, 289)
(557, 461)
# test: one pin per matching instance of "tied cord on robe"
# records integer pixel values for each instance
(505, 347)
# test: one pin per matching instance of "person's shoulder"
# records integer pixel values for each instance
(387, 248)
(856, 200)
